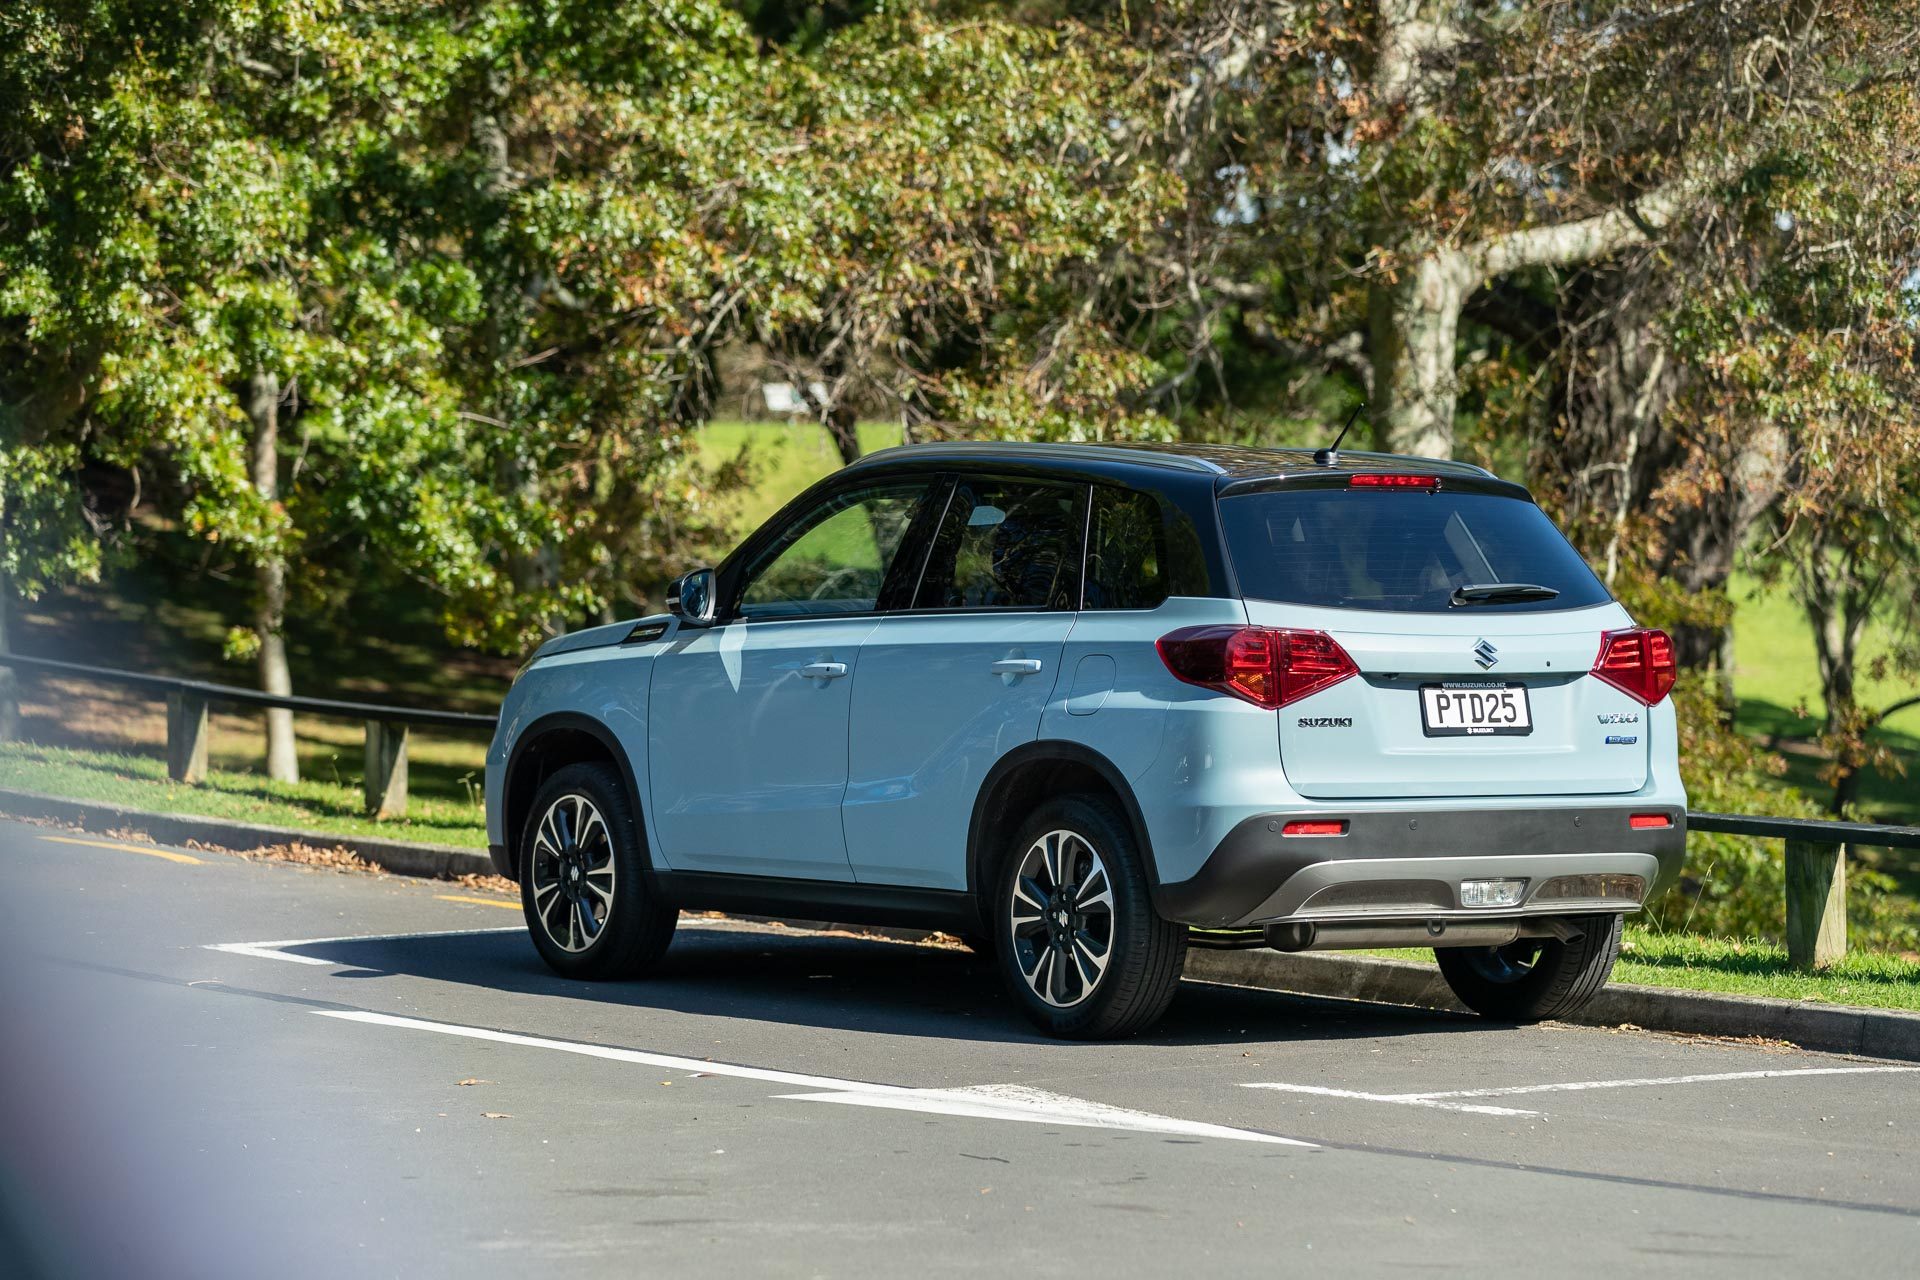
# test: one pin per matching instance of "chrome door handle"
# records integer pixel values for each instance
(824, 670)
(1016, 667)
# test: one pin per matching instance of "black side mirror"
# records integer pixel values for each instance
(690, 598)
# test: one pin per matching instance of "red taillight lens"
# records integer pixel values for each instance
(1315, 828)
(1268, 666)
(1649, 821)
(1639, 663)
(1390, 480)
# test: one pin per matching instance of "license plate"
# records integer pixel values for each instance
(1462, 709)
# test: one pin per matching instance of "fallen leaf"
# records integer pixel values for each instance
(495, 1115)
(470, 1080)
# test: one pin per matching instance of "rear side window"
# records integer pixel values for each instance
(1006, 544)
(1400, 551)
(1127, 557)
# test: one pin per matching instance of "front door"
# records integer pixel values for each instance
(747, 723)
(961, 679)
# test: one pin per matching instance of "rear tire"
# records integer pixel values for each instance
(1532, 980)
(1073, 927)
(583, 884)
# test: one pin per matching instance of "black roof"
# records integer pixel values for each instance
(1222, 462)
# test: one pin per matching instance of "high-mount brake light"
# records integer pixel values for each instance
(1267, 666)
(1638, 662)
(1391, 480)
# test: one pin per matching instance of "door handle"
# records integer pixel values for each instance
(824, 670)
(1016, 667)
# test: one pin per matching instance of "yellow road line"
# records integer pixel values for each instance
(484, 902)
(149, 850)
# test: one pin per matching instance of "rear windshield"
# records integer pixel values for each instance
(1403, 552)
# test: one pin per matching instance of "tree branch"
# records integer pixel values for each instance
(1569, 244)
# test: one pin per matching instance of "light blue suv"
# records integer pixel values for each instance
(1082, 704)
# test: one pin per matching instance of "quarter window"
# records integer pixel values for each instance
(1006, 545)
(835, 558)
(1126, 560)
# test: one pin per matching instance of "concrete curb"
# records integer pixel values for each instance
(400, 857)
(1873, 1033)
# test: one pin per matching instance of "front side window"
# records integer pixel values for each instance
(1006, 544)
(835, 558)
(1401, 551)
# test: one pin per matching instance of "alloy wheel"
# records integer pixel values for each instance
(1060, 918)
(573, 873)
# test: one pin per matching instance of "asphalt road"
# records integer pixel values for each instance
(422, 1097)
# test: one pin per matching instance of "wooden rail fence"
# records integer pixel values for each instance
(1815, 850)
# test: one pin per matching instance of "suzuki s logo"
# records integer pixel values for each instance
(1485, 654)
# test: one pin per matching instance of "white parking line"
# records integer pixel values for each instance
(991, 1102)
(1442, 1099)
(273, 951)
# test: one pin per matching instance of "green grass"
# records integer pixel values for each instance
(325, 808)
(1751, 968)
(786, 459)
(1777, 683)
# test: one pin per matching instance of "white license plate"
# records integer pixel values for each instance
(1461, 709)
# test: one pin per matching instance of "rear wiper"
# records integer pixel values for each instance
(1499, 593)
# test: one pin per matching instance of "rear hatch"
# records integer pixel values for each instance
(1459, 692)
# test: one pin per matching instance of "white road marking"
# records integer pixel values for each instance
(1034, 1106)
(1442, 1099)
(1643, 1081)
(993, 1102)
(1404, 1099)
(272, 950)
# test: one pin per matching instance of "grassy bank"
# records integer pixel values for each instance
(325, 808)
(1730, 966)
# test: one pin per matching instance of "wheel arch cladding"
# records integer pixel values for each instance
(548, 745)
(1021, 780)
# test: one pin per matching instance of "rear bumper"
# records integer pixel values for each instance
(1401, 865)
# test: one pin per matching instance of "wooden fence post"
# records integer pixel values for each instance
(186, 738)
(1816, 904)
(386, 769)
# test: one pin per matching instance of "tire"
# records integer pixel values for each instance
(1532, 980)
(565, 863)
(1134, 978)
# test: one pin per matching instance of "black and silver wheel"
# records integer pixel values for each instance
(581, 882)
(1078, 941)
(1533, 979)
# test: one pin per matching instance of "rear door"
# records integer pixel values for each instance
(951, 685)
(1464, 690)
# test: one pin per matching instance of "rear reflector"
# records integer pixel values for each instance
(1638, 662)
(1315, 828)
(1391, 480)
(1267, 666)
(1650, 821)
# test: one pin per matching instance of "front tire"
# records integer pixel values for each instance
(1074, 930)
(582, 879)
(1534, 979)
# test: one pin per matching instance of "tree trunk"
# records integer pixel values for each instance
(270, 580)
(9, 683)
(1415, 322)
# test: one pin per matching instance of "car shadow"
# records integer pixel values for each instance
(848, 983)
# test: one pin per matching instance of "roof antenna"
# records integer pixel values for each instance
(1330, 456)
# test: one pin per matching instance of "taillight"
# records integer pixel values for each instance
(1639, 663)
(1268, 666)
(1391, 480)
